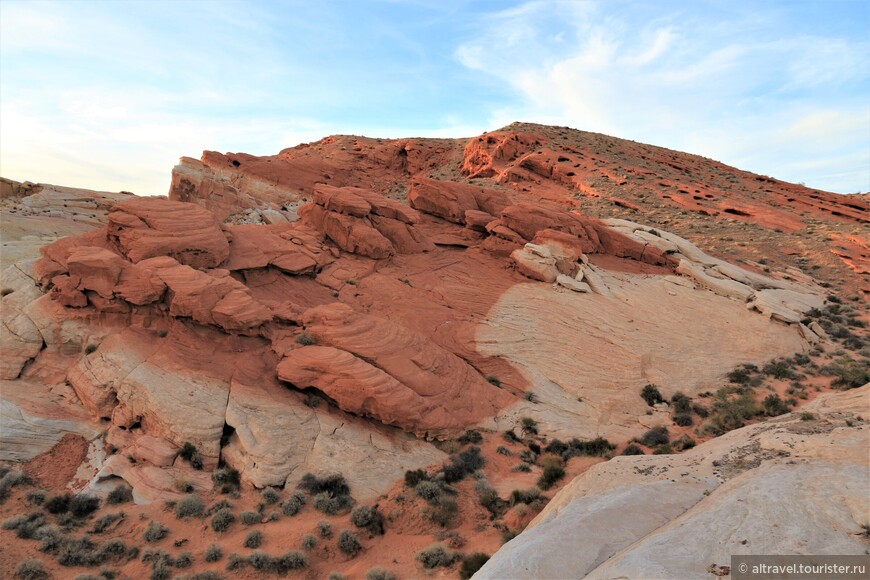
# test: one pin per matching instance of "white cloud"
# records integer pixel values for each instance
(736, 90)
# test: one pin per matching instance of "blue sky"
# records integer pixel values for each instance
(108, 94)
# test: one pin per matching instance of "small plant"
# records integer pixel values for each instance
(293, 504)
(774, 406)
(36, 496)
(369, 518)
(493, 380)
(254, 539)
(155, 532)
(188, 506)
(104, 522)
(190, 454)
(471, 436)
(442, 513)
(308, 542)
(807, 416)
(213, 553)
(349, 544)
(31, 569)
(436, 556)
(221, 521)
(412, 478)
(119, 494)
(651, 394)
(471, 564)
(554, 470)
(249, 517)
(270, 496)
(58, 504)
(305, 339)
(502, 450)
(655, 436)
(90, 349)
(184, 560)
(683, 420)
(683, 443)
(378, 573)
(525, 496)
(528, 426)
(226, 479)
(324, 529)
(632, 449)
(330, 504)
(681, 403)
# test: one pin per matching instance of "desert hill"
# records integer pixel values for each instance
(377, 308)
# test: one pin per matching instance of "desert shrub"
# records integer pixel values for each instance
(526, 496)
(188, 506)
(534, 448)
(213, 553)
(190, 454)
(235, 562)
(683, 420)
(488, 497)
(348, 543)
(728, 413)
(436, 556)
(683, 443)
(262, 562)
(462, 464)
(218, 506)
(155, 532)
(226, 479)
(104, 522)
(779, 369)
(324, 529)
(598, 447)
(184, 560)
(293, 504)
(25, 526)
(31, 569)
(471, 436)
(119, 494)
(270, 496)
(254, 539)
(336, 576)
(652, 395)
(632, 449)
(291, 560)
(332, 504)
(222, 520)
(58, 504)
(528, 426)
(412, 478)
(807, 416)
(522, 467)
(553, 471)
(471, 564)
(740, 376)
(664, 449)
(774, 406)
(308, 542)
(849, 373)
(501, 450)
(700, 410)
(50, 538)
(681, 404)
(250, 517)
(428, 490)
(378, 573)
(369, 518)
(442, 513)
(510, 436)
(36, 496)
(305, 339)
(655, 436)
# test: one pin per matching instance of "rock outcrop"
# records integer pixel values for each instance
(788, 486)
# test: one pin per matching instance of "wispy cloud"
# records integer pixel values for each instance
(738, 89)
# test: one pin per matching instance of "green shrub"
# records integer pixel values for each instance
(369, 518)
(155, 532)
(184, 560)
(249, 518)
(254, 539)
(104, 522)
(377, 573)
(428, 490)
(293, 504)
(553, 471)
(655, 436)
(598, 447)
(190, 454)
(683, 443)
(31, 569)
(58, 504)
(305, 339)
(442, 513)
(471, 436)
(226, 479)
(222, 520)
(412, 478)
(324, 528)
(471, 564)
(436, 556)
(213, 553)
(119, 494)
(332, 504)
(218, 506)
(336, 576)
(632, 449)
(526, 496)
(848, 373)
(501, 450)
(774, 406)
(292, 561)
(37, 496)
(188, 506)
(729, 413)
(683, 420)
(780, 369)
(349, 544)
(25, 526)
(652, 395)
(308, 542)
(270, 496)
(528, 426)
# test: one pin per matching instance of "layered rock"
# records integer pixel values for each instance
(788, 486)
(373, 367)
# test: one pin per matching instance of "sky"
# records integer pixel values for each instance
(108, 94)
